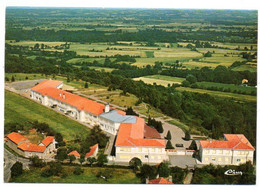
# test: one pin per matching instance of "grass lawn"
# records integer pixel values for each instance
(222, 94)
(21, 110)
(21, 76)
(105, 69)
(123, 176)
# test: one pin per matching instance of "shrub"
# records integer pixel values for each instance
(78, 170)
(169, 145)
(17, 169)
(37, 162)
(135, 163)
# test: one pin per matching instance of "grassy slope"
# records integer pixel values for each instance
(222, 94)
(89, 176)
(20, 109)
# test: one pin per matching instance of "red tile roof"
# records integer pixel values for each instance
(132, 134)
(150, 132)
(75, 153)
(233, 141)
(47, 83)
(74, 100)
(159, 180)
(16, 137)
(27, 146)
(92, 150)
(48, 140)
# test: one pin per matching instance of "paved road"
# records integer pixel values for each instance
(9, 160)
(188, 178)
(182, 161)
(176, 133)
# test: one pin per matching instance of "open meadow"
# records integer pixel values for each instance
(119, 176)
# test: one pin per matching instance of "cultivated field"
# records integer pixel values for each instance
(160, 80)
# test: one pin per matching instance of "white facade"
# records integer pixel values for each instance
(145, 154)
(225, 156)
(81, 115)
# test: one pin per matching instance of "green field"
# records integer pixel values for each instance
(119, 176)
(221, 94)
(21, 76)
(232, 87)
(21, 110)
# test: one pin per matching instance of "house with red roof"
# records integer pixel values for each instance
(93, 151)
(138, 140)
(235, 149)
(74, 153)
(50, 94)
(159, 180)
(20, 144)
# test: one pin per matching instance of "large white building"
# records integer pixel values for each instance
(134, 138)
(235, 149)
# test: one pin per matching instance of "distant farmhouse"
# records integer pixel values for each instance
(235, 149)
(22, 145)
(134, 137)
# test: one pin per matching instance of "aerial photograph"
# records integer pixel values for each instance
(130, 96)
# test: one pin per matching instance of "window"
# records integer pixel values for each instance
(242, 159)
(213, 159)
(146, 156)
(159, 150)
(145, 149)
(238, 160)
(152, 157)
(242, 152)
(152, 149)
(139, 149)
(159, 157)
(220, 151)
(206, 158)
(207, 152)
(227, 152)
(220, 159)
(226, 159)
(214, 152)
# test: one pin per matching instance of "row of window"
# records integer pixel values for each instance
(140, 149)
(140, 157)
(226, 152)
(226, 159)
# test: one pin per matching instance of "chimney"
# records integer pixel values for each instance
(146, 180)
(210, 140)
(107, 108)
(63, 96)
(60, 94)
